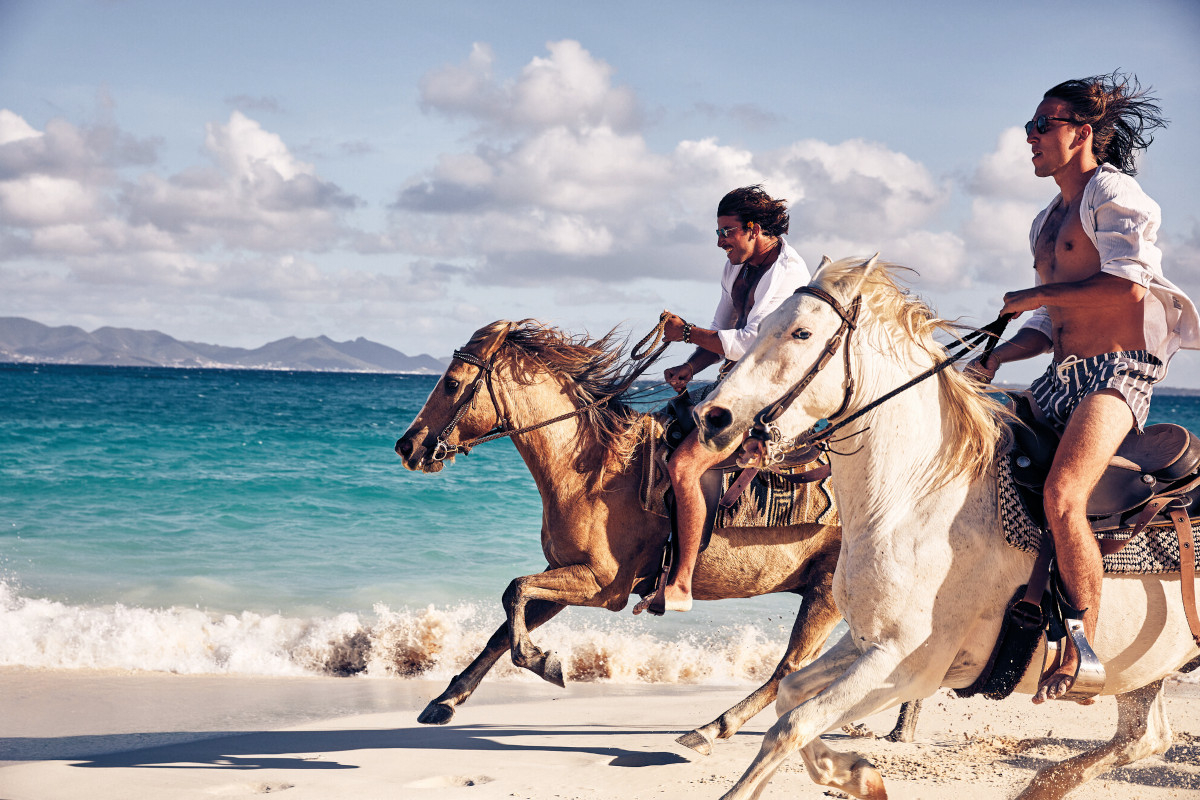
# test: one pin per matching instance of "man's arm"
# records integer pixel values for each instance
(708, 351)
(1027, 343)
(1098, 291)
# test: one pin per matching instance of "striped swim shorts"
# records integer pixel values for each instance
(1133, 373)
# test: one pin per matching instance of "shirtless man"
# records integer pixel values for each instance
(1101, 305)
(761, 272)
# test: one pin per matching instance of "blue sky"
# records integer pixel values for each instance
(240, 172)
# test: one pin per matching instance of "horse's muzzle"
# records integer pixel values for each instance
(713, 425)
(414, 456)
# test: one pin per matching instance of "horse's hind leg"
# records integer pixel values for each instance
(441, 709)
(1142, 730)
(906, 723)
(817, 618)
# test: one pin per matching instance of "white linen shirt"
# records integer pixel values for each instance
(1122, 222)
(780, 281)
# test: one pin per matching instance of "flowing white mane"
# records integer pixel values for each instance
(975, 424)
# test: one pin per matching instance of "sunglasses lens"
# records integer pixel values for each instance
(1041, 124)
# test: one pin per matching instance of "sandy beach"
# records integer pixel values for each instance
(110, 735)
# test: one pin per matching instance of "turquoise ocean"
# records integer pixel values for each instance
(259, 523)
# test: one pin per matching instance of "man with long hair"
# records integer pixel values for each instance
(1101, 305)
(761, 272)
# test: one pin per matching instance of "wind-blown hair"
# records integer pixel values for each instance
(1123, 116)
(595, 369)
(975, 424)
(752, 204)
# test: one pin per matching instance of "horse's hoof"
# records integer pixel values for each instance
(552, 670)
(698, 742)
(436, 714)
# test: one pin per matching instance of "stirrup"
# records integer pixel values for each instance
(1089, 675)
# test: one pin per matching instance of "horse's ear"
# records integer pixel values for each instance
(825, 262)
(870, 265)
(487, 340)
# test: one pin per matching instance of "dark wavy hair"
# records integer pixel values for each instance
(752, 204)
(1123, 116)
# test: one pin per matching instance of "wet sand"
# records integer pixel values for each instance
(109, 735)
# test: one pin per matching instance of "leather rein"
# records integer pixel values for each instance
(773, 447)
(443, 448)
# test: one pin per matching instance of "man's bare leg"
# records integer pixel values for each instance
(1093, 434)
(689, 461)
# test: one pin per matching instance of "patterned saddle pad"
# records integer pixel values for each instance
(1153, 551)
(768, 501)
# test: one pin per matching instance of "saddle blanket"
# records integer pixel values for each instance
(768, 501)
(1153, 551)
(771, 500)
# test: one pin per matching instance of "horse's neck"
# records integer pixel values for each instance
(884, 465)
(551, 453)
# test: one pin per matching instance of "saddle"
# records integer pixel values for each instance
(1161, 463)
(767, 498)
(1153, 481)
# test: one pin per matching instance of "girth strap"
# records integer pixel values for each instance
(1187, 569)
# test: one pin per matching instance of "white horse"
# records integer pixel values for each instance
(924, 573)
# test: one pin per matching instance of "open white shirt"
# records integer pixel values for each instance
(1122, 222)
(780, 281)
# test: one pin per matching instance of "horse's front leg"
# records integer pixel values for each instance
(575, 585)
(869, 684)
(441, 709)
(817, 618)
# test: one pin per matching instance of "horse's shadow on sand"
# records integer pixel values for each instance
(265, 750)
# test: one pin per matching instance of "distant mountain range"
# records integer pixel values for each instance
(25, 341)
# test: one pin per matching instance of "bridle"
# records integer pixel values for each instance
(443, 449)
(773, 447)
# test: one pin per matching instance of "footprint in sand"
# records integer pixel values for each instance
(448, 782)
(240, 789)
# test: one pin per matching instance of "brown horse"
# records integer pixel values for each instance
(600, 543)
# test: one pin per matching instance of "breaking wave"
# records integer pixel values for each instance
(411, 643)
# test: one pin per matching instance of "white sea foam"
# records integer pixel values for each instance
(433, 642)
(428, 643)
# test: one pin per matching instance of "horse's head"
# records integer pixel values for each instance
(800, 351)
(461, 406)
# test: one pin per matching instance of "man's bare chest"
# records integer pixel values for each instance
(1063, 252)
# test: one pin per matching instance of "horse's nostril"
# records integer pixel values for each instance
(404, 448)
(718, 418)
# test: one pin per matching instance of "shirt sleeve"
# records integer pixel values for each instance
(1125, 224)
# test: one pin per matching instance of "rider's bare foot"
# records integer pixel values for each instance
(668, 598)
(1059, 682)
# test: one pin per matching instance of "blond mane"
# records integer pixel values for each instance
(975, 423)
(595, 369)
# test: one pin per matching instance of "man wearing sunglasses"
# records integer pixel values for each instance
(1101, 305)
(762, 270)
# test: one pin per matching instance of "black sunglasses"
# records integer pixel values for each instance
(1042, 124)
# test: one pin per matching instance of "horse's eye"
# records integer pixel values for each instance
(451, 385)
(800, 334)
